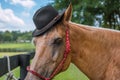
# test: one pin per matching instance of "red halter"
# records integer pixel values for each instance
(67, 50)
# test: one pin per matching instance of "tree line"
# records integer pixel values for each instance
(15, 36)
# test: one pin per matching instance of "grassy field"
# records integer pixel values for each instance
(70, 74)
(15, 72)
(16, 45)
(2, 54)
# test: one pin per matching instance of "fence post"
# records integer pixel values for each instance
(24, 62)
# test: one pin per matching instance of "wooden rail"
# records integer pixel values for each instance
(22, 61)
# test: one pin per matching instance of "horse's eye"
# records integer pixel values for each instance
(57, 41)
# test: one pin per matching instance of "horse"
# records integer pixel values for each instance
(95, 51)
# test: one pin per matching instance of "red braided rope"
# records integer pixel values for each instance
(59, 67)
(35, 73)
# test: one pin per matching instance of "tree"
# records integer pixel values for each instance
(7, 36)
(15, 35)
(105, 12)
(111, 14)
(1, 36)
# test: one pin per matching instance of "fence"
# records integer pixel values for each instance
(22, 61)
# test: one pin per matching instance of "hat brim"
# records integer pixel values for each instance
(37, 32)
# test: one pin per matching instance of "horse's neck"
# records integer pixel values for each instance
(90, 49)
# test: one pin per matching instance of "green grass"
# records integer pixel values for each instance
(2, 54)
(72, 73)
(15, 72)
(16, 45)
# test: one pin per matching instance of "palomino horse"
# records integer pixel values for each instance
(95, 51)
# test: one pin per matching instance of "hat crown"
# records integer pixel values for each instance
(43, 16)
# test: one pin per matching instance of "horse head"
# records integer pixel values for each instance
(50, 49)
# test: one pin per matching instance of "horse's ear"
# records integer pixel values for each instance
(68, 13)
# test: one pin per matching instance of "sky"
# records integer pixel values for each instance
(16, 15)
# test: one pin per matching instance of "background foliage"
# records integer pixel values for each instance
(105, 13)
(16, 41)
(15, 36)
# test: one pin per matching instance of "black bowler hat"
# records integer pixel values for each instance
(44, 19)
